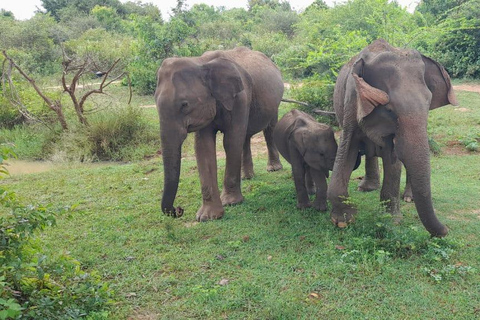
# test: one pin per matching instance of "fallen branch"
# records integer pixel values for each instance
(317, 111)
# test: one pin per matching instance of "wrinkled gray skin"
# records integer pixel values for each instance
(236, 92)
(381, 99)
(310, 147)
(371, 181)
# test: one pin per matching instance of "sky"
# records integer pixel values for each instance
(24, 9)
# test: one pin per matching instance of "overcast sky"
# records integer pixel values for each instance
(23, 9)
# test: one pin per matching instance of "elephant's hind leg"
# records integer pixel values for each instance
(371, 181)
(247, 163)
(274, 163)
(232, 193)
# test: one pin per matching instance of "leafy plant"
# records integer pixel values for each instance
(471, 141)
(31, 285)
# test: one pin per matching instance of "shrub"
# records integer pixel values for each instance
(471, 142)
(32, 285)
(318, 94)
(115, 134)
(31, 141)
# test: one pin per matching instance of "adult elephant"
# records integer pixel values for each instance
(381, 99)
(236, 92)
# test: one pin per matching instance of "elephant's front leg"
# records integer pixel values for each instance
(390, 193)
(320, 180)
(298, 172)
(407, 194)
(342, 211)
(274, 163)
(309, 182)
(233, 141)
(205, 153)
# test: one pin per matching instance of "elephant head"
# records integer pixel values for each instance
(190, 93)
(315, 142)
(392, 91)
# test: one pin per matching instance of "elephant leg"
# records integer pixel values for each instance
(205, 153)
(299, 172)
(309, 181)
(343, 212)
(407, 194)
(274, 163)
(320, 202)
(247, 163)
(371, 181)
(232, 142)
(390, 193)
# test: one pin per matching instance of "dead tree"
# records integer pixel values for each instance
(85, 67)
(54, 105)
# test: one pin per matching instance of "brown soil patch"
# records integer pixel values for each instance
(467, 87)
(257, 145)
(454, 148)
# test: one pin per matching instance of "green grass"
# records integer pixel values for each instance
(280, 263)
(453, 123)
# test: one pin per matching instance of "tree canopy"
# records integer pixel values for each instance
(312, 43)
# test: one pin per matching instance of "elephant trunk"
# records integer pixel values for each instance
(171, 153)
(413, 151)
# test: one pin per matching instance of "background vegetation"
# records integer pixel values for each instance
(265, 259)
(308, 46)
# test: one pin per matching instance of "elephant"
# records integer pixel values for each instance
(236, 92)
(310, 147)
(371, 181)
(381, 99)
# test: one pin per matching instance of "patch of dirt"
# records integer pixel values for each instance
(257, 145)
(454, 148)
(144, 316)
(467, 87)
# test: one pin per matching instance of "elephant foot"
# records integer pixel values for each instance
(408, 196)
(367, 185)
(303, 205)
(342, 215)
(210, 212)
(229, 199)
(320, 205)
(274, 166)
(247, 175)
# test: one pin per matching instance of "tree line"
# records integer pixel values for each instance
(310, 45)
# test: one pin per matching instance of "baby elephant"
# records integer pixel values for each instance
(310, 147)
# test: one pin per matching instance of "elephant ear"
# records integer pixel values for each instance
(368, 97)
(297, 134)
(223, 78)
(438, 82)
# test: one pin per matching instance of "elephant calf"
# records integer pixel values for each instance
(310, 147)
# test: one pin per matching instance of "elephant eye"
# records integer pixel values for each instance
(184, 107)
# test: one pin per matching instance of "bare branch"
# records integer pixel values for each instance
(53, 105)
(317, 111)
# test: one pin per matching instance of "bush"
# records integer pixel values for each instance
(31, 141)
(113, 135)
(318, 94)
(32, 285)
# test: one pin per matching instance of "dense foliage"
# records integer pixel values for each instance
(308, 46)
(32, 284)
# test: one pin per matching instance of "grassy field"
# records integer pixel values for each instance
(265, 259)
